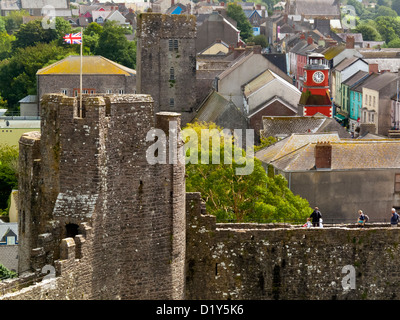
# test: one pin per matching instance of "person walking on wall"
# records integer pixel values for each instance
(315, 216)
(361, 218)
(394, 220)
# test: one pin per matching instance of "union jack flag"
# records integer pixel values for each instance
(73, 38)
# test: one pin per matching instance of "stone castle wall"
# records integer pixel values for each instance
(255, 261)
(92, 177)
(141, 236)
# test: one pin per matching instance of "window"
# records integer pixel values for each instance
(369, 100)
(121, 91)
(397, 182)
(171, 102)
(173, 45)
(64, 91)
(372, 117)
(171, 74)
(108, 91)
(374, 103)
(84, 91)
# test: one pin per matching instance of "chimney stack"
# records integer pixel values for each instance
(310, 40)
(373, 68)
(323, 155)
(350, 42)
(302, 36)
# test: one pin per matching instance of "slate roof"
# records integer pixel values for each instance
(387, 64)
(39, 4)
(9, 5)
(291, 145)
(355, 78)
(316, 8)
(333, 51)
(358, 87)
(286, 125)
(357, 36)
(214, 106)
(91, 65)
(262, 80)
(380, 82)
(278, 59)
(347, 62)
(296, 153)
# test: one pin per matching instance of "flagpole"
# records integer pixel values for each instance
(81, 73)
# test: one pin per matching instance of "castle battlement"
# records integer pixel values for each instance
(95, 198)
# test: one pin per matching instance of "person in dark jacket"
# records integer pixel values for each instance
(315, 216)
(394, 220)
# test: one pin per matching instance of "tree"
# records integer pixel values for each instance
(14, 20)
(396, 6)
(8, 172)
(385, 11)
(236, 12)
(31, 33)
(395, 43)
(115, 46)
(368, 32)
(6, 41)
(18, 74)
(242, 198)
(388, 27)
(3, 103)
(260, 40)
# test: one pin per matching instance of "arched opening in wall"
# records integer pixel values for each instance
(71, 230)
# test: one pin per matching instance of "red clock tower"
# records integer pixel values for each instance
(315, 96)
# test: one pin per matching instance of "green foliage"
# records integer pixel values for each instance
(368, 32)
(395, 43)
(236, 12)
(3, 103)
(14, 20)
(113, 45)
(396, 6)
(260, 40)
(6, 41)
(6, 274)
(8, 172)
(18, 74)
(385, 11)
(31, 33)
(388, 27)
(265, 142)
(241, 198)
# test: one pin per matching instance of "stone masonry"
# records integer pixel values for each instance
(91, 205)
(166, 62)
(112, 226)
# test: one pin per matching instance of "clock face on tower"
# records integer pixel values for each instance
(318, 77)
